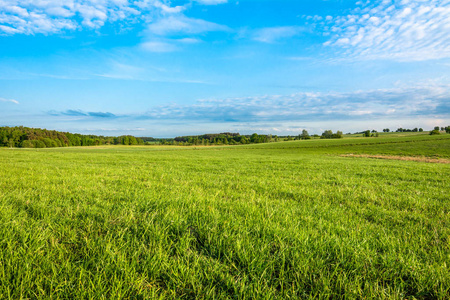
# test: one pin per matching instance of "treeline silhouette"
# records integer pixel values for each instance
(25, 137)
(225, 138)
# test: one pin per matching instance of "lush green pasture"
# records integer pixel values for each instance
(281, 220)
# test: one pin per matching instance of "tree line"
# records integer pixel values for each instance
(225, 138)
(404, 130)
(26, 137)
(436, 130)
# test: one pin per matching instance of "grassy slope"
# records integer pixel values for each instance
(278, 220)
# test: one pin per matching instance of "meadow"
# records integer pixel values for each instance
(286, 220)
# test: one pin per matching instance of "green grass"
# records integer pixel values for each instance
(280, 220)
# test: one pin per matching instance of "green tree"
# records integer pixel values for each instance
(11, 143)
(338, 135)
(49, 143)
(305, 135)
(27, 144)
(327, 134)
(433, 132)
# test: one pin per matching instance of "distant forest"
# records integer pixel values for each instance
(228, 138)
(225, 138)
(25, 137)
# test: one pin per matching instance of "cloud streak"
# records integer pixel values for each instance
(9, 100)
(274, 34)
(83, 114)
(180, 24)
(211, 2)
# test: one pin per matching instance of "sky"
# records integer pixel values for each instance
(188, 67)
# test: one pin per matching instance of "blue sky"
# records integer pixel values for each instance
(168, 68)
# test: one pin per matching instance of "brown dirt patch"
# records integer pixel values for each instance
(409, 158)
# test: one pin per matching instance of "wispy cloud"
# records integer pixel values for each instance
(117, 70)
(101, 115)
(158, 46)
(83, 114)
(168, 9)
(175, 32)
(274, 34)
(162, 45)
(407, 30)
(73, 113)
(180, 24)
(211, 2)
(9, 100)
(115, 129)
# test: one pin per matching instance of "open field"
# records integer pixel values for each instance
(298, 219)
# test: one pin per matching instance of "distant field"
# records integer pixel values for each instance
(412, 145)
(299, 219)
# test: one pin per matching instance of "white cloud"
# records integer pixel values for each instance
(9, 100)
(169, 9)
(8, 29)
(407, 31)
(158, 46)
(93, 17)
(211, 2)
(51, 16)
(167, 45)
(180, 24)
(54, 16)
(119, 70)
(273, 34)
(188, 41)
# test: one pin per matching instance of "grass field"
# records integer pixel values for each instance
(269, 221)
